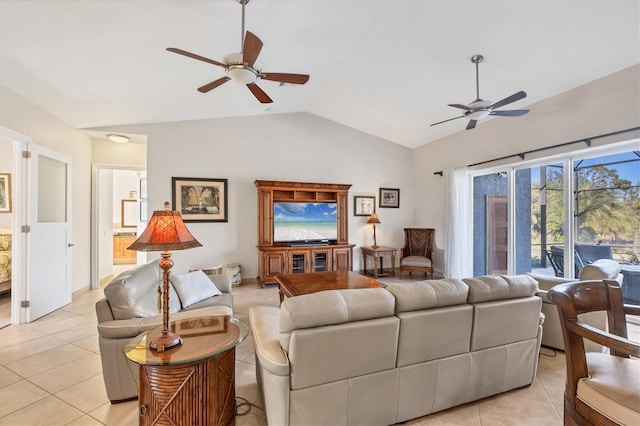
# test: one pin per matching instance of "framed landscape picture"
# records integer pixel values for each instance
(364, 206)
(389, 197)
(200, 199)
(5, 193)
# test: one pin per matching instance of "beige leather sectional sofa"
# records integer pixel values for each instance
(383, 356)
(130, 307)
(603, 269)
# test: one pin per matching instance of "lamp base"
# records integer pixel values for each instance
(164, 341)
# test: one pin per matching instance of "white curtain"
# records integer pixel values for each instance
(458, 251)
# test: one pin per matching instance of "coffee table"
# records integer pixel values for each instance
(298, 284)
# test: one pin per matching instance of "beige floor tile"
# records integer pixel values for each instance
(535, 391)
(85, 420)
(123, 414)
(246, 385)
(514, 410)
(251, 419)
(73, 321)
(89, 343)
(69, 374)
(464, 415)
(551, 360)
(19, 395)
(87, 395)
(29, 348)
(36, 364)
(553, 385)
(8, 377)
(78, 333)
(14, 334)
(48, 411)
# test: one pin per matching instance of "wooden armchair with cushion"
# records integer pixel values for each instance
(601, 389)
(417, 253)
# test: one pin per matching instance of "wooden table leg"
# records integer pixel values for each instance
(393, 263)
(375, 265)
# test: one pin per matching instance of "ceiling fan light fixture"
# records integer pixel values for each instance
(479, 114)
(242, 74)
(118, 138)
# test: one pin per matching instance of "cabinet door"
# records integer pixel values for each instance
(265, 218)
(321, 260)
(343, 215)
(298, 262)
(342, 259)
(274, 263)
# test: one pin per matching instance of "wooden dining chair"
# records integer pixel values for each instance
(601, 388)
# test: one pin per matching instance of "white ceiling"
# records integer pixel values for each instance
(385, 67)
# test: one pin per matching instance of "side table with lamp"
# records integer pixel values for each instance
(378, 253)
(188, 379)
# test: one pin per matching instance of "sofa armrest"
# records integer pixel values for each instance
(265, 327)
(544, 295)
(129, 328)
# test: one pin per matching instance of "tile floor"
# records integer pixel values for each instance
(50, 374)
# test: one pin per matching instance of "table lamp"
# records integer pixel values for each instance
(165, 231)
(373, 219)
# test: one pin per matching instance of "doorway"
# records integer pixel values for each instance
(118, 216)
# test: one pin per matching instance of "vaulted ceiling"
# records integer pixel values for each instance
(385, 67)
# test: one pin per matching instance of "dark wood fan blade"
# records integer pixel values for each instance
(471, 125)
(285, 77)
(444, 121)
(259, 93)
(460, 106)
(210, 86)
(194, 56)
(510, 112)
(251, 49)
(509, 99)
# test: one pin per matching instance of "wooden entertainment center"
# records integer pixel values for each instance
(281, 258)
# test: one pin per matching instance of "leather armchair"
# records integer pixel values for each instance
(603, 269)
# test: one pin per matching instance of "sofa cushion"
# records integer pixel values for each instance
(428, 294)
(600, 270)
(332, 307)
(134, 293)
(192, 287)
(498, 287)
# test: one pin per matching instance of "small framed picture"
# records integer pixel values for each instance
(364, 206)
(389, 197)
(200, 199)
(5, 193)
(143, 210)
(143, 188)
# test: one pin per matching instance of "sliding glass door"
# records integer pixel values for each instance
(553, 218)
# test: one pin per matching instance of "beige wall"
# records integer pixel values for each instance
(131, 154)
(295, 147)
(21, 116)
(606, 105)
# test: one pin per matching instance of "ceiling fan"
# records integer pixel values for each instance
(480, 109)
(242, 68)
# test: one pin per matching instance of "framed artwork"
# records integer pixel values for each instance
(128, 213)
(5, 193)
(201, 326)
(143, 188)
(200, 199)
(143, 210)
(389, 197)
(363, 206)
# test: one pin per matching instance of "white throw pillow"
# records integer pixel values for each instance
(193, 287)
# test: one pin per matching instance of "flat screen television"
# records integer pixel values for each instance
(311, 222)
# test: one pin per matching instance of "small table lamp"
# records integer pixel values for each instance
(165, 231)
(374, 219)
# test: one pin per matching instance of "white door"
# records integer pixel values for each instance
(49, 240)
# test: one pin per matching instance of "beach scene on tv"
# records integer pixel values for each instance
(304, 221)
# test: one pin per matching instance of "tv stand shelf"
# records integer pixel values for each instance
(280, 258)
